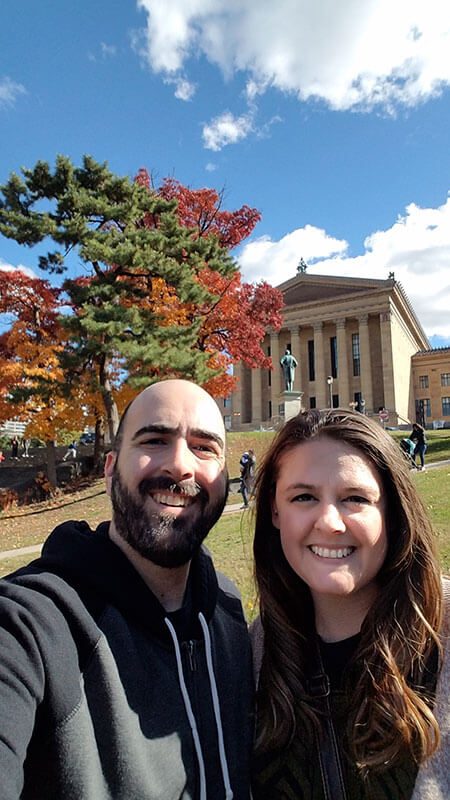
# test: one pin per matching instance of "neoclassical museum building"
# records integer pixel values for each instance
(358, 343)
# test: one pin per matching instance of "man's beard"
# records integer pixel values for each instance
(160, 537)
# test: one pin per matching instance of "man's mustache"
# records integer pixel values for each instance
(188, 488)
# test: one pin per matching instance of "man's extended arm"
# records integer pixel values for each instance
(22, 682)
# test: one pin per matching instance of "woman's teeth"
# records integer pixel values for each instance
(324, 552)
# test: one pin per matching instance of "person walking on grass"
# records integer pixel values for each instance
(247, 465)
(418, 435)
(125, 662)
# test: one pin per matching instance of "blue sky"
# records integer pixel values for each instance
(331, 118)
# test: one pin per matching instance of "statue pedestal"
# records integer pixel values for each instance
(292, 402)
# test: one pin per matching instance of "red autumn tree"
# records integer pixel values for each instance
(234, 327)
(202, 209)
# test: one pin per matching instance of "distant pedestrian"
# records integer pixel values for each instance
(418, 435)
(247, 464)
(14, 447)
(26, 446)
(71, 451)
(2, 457)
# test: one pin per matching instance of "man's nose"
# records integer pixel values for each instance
(329, 518)
(179, 461)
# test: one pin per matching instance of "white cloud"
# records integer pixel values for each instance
(350, 54)
(210, 167)
(277, 261)
(226, 129)
(108, 50)
(185, 90)
(416, 248)
(10, 91)
(5, 267)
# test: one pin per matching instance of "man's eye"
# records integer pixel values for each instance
(206, 448)
(153, 440)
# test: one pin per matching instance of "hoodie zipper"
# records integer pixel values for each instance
(191, 655)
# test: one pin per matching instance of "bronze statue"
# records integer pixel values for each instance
(289, 363)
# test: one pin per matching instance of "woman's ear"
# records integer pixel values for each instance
(275, 521)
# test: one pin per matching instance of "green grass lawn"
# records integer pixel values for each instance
(434, 489)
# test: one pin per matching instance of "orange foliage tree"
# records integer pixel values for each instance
(33, 385)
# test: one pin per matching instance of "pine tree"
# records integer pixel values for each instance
(131, 242)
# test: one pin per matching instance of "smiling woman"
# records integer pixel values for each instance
(352, 675)
(329, 508)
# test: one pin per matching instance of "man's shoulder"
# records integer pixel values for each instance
(64, 554)
(229, 599)
(227, 585)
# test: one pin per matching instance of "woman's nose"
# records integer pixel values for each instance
(329, 519)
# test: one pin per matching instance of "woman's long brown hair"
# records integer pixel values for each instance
(390, 714)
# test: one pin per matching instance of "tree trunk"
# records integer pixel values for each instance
(112, 414)
(51, 463)
(99, 446)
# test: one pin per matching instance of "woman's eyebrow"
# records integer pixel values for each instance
(307, 486)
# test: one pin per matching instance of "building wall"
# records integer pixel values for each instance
(403, 348)
(432, 364)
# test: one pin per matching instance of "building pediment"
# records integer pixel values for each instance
(316, 288)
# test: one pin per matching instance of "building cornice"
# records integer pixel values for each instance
(373, 296)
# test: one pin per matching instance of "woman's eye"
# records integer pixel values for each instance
(356, 498)
(305, 497)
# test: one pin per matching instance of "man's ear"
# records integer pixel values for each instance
(109, 469)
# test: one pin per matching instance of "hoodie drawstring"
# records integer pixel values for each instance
(190, 713)
(216, 706)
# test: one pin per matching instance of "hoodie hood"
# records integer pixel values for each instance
(101, 574)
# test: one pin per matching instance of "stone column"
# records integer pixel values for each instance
(365, 362)
(342, 373)
(237, 398)
(275, 387)
(295, 350)
(319, 367)
(387, 361)
(256, 398)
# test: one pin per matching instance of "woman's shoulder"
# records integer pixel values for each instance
(446, 605)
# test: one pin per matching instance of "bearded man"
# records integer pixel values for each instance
(125, 668)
